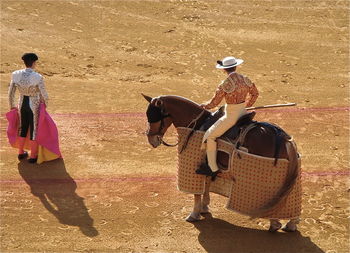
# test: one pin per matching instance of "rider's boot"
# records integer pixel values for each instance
(210, 169)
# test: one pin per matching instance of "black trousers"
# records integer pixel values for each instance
(27, 119)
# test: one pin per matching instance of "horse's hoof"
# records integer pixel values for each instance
(193, 218)
(289, 229)
(205, 210)
(274, 227)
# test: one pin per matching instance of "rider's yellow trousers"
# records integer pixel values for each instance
(232, 113)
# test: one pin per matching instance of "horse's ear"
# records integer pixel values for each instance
(148, 98)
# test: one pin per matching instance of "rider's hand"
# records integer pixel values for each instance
(203, 105)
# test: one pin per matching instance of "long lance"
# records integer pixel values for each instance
(271, 106)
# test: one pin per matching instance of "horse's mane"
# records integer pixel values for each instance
(181, 99)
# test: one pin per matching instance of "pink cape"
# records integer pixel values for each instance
(47, 134)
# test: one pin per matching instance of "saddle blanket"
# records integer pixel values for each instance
(250, 181)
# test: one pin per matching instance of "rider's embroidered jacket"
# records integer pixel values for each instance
(29, 83)
(235, 89)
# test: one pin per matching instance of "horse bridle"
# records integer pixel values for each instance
(159, 134)
(161, 126)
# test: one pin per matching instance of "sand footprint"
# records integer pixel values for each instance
(261, 50)
(66, 227)
(152, 204)
(42, 219)
(55, 242)
(320, 208)
(4, 226)
(26, 201)
(127, 232)
(117, 199)
(316, 117)
(311, 232)
(133, 210)
(166, 230)
(97, 6)
(107, 204)
(310, 221)
(165, 221)
(103, 222)
(91, 196)
(153, 194)
(77, 30)
(8, 193)
(163, 214)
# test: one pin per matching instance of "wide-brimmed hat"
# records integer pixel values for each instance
(228, 62)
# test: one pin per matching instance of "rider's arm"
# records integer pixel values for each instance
(11, 93)
(253, 95)
(43, 93)
(216, 99)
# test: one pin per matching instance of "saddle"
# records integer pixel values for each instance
(233, 132)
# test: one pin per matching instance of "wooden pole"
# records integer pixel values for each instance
(270, 106)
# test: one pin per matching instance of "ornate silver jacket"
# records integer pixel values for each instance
(29, 83)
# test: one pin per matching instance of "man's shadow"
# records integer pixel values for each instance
(55, 188)
(217, 235)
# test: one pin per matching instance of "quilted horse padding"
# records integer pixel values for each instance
(249, 183)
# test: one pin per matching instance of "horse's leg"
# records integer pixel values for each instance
(275, 225)
(206, 198)
(195, 215)
(291, 226)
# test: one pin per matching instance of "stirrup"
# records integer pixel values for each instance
(214, 175)
(204, 169)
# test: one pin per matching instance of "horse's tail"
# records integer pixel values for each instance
(291, 178)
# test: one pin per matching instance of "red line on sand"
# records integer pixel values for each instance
(150, 179)
(112, 114)
(271, 110)
(143, 114)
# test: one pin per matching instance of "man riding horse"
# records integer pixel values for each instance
(265, 143)
(235, 89)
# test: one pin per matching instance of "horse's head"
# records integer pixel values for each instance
(158, 119)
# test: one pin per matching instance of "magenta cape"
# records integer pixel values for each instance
(47, 134)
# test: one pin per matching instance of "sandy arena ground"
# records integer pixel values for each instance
(112, 192)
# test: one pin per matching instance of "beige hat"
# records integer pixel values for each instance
(228, 62)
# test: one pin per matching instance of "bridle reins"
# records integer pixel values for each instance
(159, 134)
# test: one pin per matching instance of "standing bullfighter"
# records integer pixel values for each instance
(31, 87)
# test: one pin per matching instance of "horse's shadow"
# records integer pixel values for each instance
(55, 188)
(217, 235)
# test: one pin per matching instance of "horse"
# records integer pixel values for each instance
(163, 111)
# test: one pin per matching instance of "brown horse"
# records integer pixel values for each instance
(262, 140)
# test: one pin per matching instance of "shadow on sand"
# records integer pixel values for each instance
(52, 184)
(217, 235)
